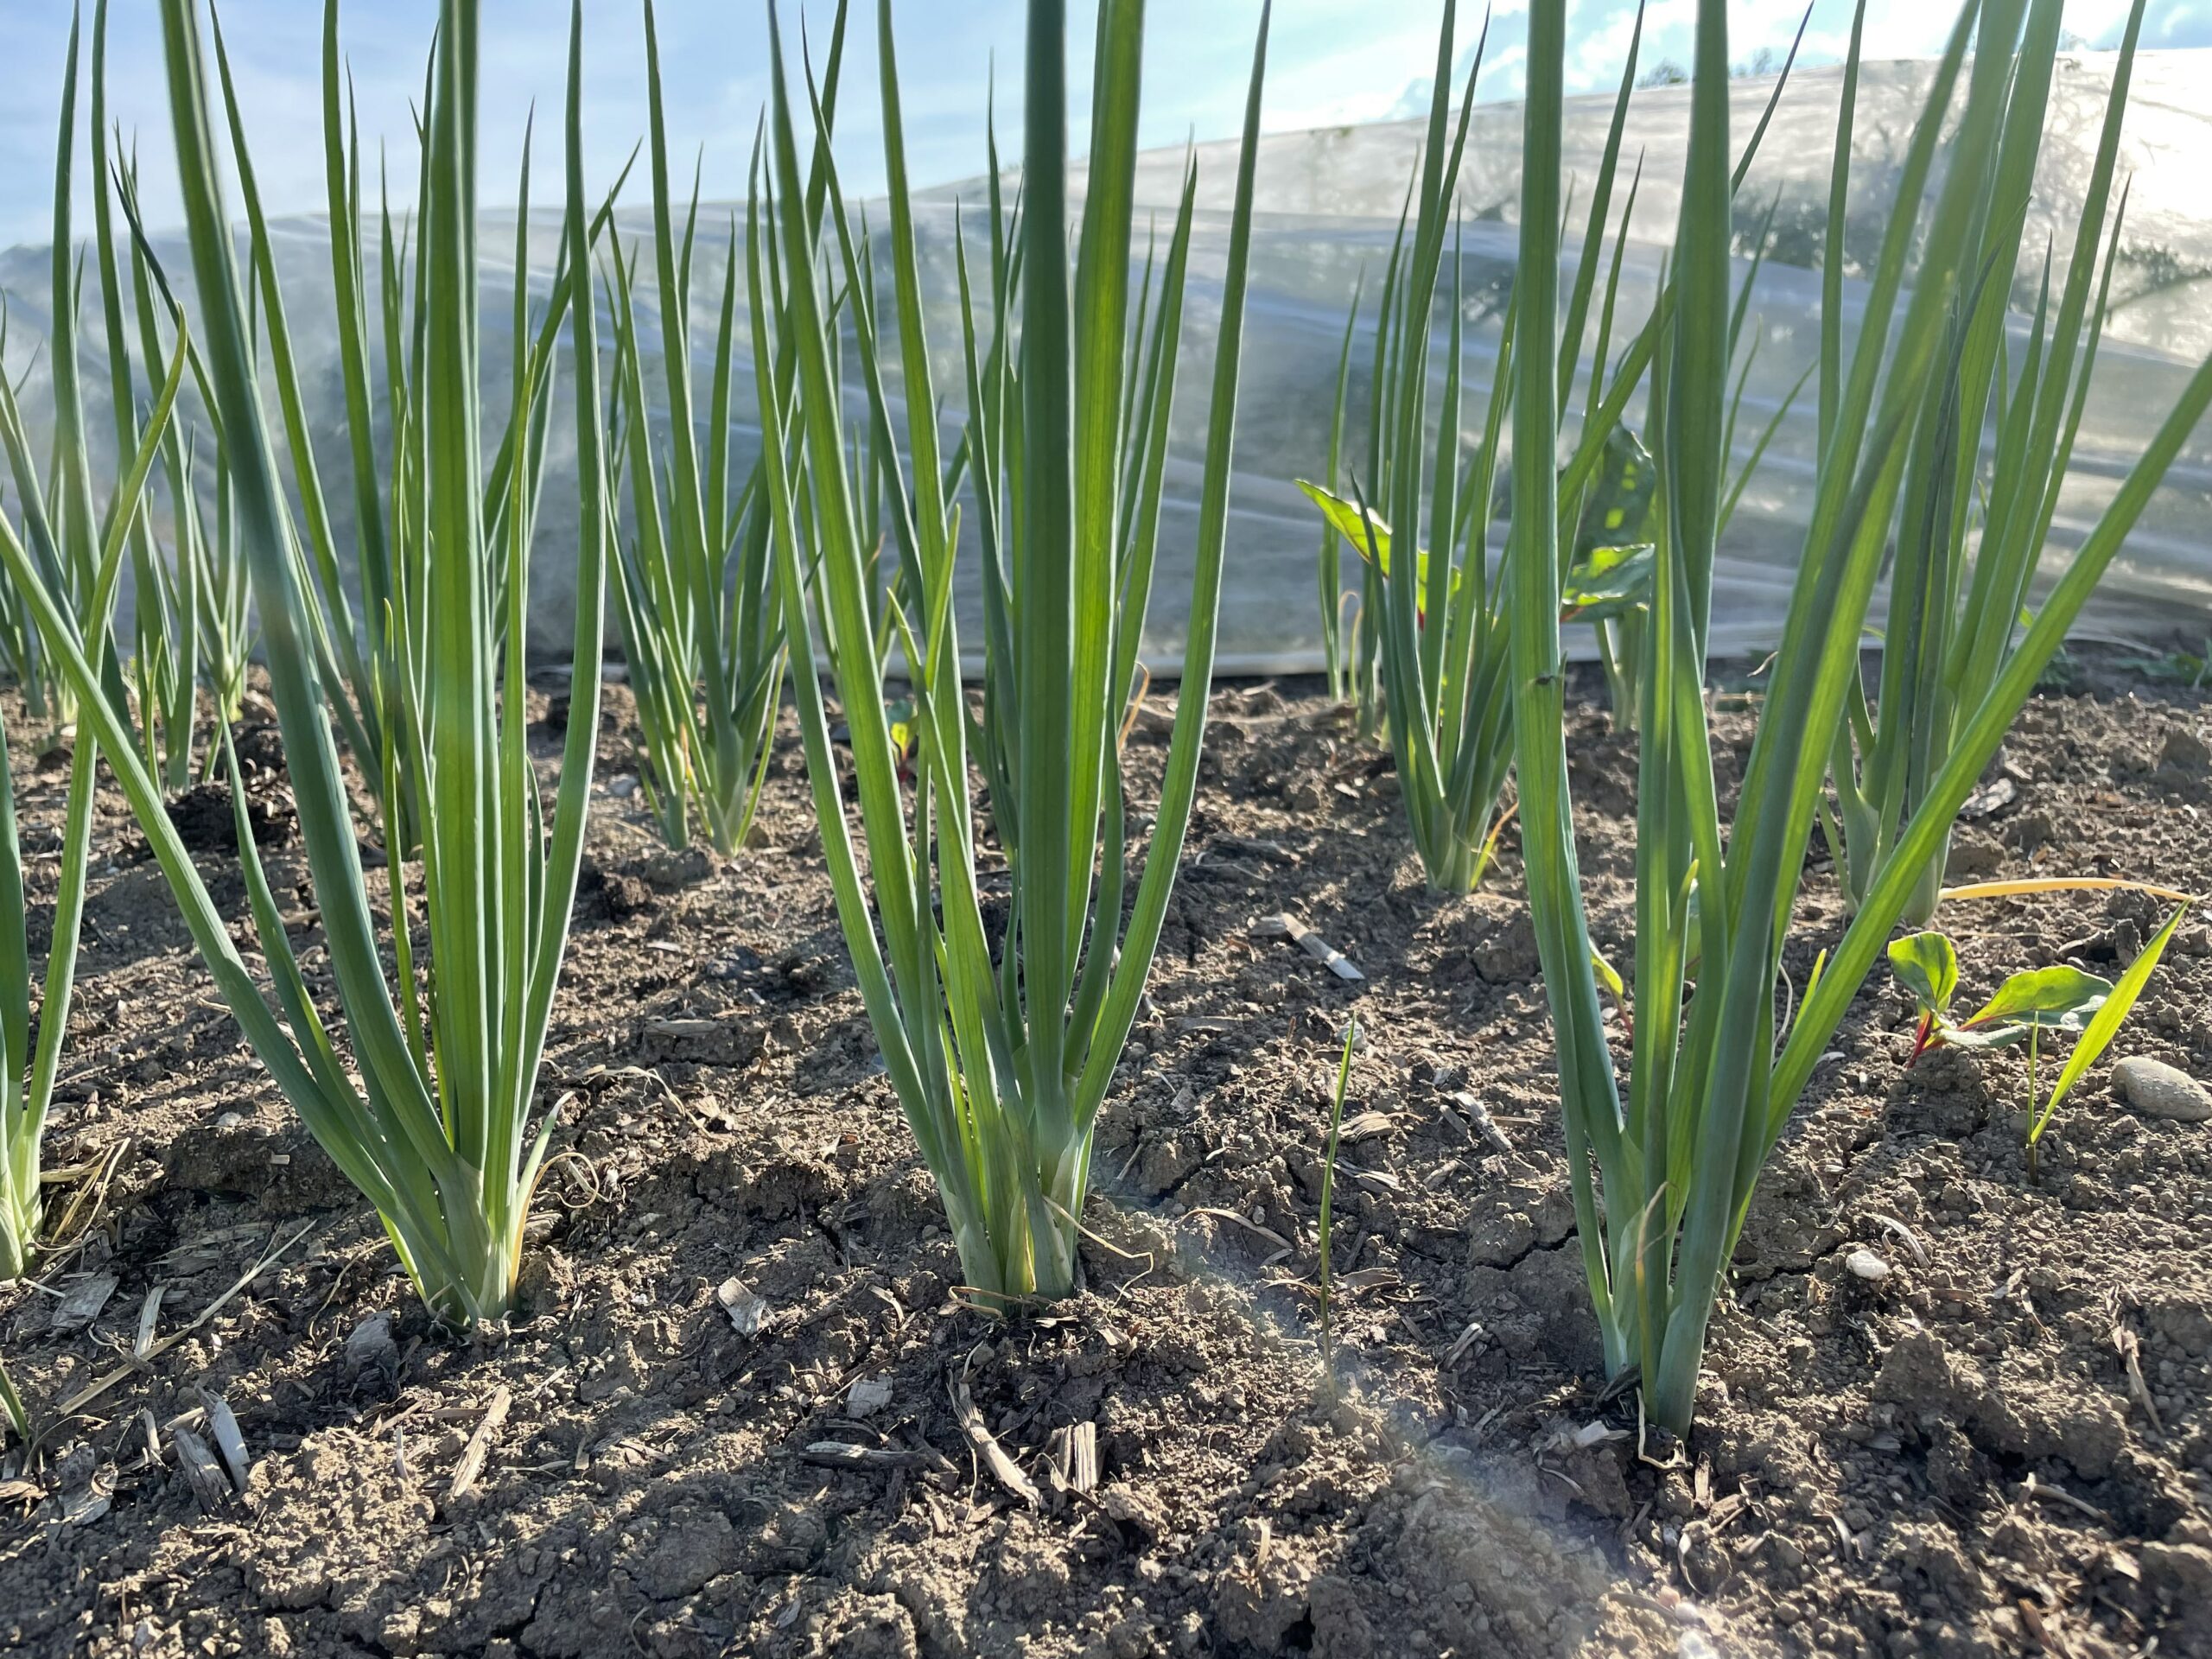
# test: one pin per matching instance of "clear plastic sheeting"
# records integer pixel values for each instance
(1328, 203)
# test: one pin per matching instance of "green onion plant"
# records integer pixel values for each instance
(1608, 506)
(164, 669)
(18, 1418)
(192, 610)
(431, 1114)
(67, 559)
(22, 663)
(695, 583)
(1336, 658)
(1441, 657)
(368, 648)
(1000, 1067)
(1663, 1174)
(989, 457)
(189, 608)
(188, 611)
(71, 553)
(30, 1058)
(1987, 454)
(1441, 643)
(61, 523)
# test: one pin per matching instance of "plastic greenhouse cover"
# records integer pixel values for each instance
(1328, 202)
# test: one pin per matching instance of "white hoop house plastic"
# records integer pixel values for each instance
(1328, 204)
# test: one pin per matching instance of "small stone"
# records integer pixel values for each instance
(2157, 1090)
(1993, 796)
(1864, 1264)
(2184, 751)
(1973, 855)
(77, 1310)
(747, 1312)
(670, 868)
(371, 1347)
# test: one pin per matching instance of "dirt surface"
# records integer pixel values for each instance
(2003, 1446)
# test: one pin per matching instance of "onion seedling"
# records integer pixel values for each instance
(1000, 1067)
(433, 1118)
(1664, 1177)
(2104, 1025)
(1324, 1226)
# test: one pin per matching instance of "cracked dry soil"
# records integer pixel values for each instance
(2004, 1445)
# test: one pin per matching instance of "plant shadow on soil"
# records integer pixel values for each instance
(1959, 1459)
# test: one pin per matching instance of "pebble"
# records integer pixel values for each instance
(2184, 750)
(371, 1345)
(2157, 1090)
(669, 868)
(748, 1311)
(1864, 1264)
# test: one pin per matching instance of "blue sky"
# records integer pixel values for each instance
(1333, 61)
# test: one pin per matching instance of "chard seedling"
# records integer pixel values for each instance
(2187, 668)
(2058, 998)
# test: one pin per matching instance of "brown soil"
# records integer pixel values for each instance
(2004, 1445)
